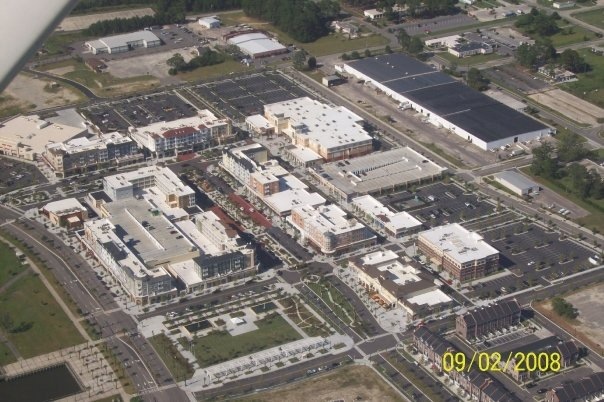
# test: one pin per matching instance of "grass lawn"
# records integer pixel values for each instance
(595, 220)
(6, 356)
(338, 303)
(486, 4)
(44, 325)
(593, 17)
(10, 106)
(570, 34)
(330, 44)
(217, 70)
(103, 84)
(590, 85)
(220, 346)
(303, 318)
(179, 367)
(470, 61)
(58, 42)
(9, 264)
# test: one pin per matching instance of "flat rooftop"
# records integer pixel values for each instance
(165, 177)
(303, 154)
(284, 201)
(186, 272)
(459, 243)
(457, 103)
(516, 179)
(391, 219)
(331, 127)
(328, 218)
(124, 39)
(181, 127)
(36, 133)
(431, 298)
(65, 206)
(83, 144)
(379, 170)
(148, 235)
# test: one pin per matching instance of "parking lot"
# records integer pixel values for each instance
(138, 112)
(533, 255)
(15, 174)
(246, 95)
(439, 204)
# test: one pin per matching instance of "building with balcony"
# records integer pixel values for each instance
(483, 320)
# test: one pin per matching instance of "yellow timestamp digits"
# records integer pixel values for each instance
(493, 361)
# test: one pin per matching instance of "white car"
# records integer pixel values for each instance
(531, 263)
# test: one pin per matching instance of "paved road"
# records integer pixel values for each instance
(274, 379)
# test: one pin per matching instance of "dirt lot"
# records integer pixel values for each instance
(30, 90)
(345, 384)
(590, 322)
(152, 64)
(10, 105)
(84, 21)
(570, 106)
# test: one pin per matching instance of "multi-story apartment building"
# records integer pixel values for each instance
(329, 229)
(334, 133)
(395, 224)
(243, 161)
(484, 320)
(463, 254)
(174, 192)
(85, 154)
(142, 284)
(181, 136)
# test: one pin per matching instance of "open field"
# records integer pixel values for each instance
(345, 384)
(470, 61)
(593, 17)
(75, 23)
(173, 359)
(330, 44)
(9, 264)
(590, 86)
(6, 356)
(36, 324)
(34, 92)
(103, 84)
(220, 346)
(570, 34)
(10, 106)
(217, 70)
(58, 43)
(570, 106)
(589, 325)
(147, 64)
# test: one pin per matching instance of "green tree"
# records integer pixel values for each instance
(564, 308)
(299, 60)
(544, 163)
(176, 61)
(312, 62)
(475, 79)
(570, 147)
(572, 60)
(387, 49)
(367, 53)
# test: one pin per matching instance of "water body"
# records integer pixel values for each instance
(41, 386)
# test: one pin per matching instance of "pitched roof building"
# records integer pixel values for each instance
(483, 320)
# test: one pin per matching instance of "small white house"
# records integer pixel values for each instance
(374, 14)
(209, 22)
(563, 4)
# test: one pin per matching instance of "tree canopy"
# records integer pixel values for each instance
(303, 20)
(475, 79)
(538, 22)
(564, 308)
(208, 58)
(410, 44)
(534, 56)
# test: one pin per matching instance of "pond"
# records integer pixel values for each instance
(45, 385)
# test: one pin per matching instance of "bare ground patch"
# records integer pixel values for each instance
(84, 21)
(343, 384)
(570, 106)
(10, 105)
(31, 90)
(61, 70)
(589, 325)
(149, 64)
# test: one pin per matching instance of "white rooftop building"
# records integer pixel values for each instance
(331, 132)
(26, 137)
(183, 135)
(284, 201)
(329, 229)
(123, 43)
(394, 223)
(257, 44)
(517, 182)
(209, 22)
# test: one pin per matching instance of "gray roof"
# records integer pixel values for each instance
(468, 109)
(492, 312)
(516, 179)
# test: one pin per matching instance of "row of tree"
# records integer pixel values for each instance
(410, 44)
(166, 12)
(543, 53)
(178, 64)
(304, 20)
